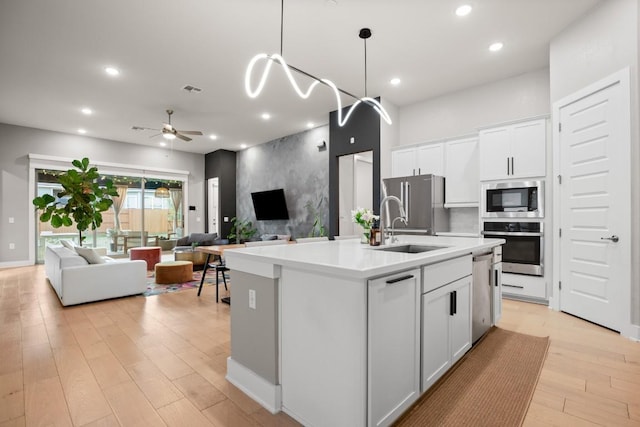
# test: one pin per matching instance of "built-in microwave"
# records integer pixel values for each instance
(522, 199)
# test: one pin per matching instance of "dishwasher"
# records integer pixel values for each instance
(482, 294)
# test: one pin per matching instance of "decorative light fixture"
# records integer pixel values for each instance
(162, 193)
(364, 34)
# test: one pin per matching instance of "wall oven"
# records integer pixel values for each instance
(523, 199)
(524, 248)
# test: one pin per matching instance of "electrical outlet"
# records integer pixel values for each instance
(12, 246)
(252, 299)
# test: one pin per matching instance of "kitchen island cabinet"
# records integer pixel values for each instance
(333, 315)
(446, 328)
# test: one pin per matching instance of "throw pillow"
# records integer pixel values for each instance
(69, 244)
(90, 255)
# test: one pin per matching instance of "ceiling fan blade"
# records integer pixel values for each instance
(182, 137)
(142, 128)
(190, 132)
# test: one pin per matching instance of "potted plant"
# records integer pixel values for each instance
(364, 217)
(85, 199)
(317, 229)
(241, 230)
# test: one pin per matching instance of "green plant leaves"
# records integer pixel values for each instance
(86, 199)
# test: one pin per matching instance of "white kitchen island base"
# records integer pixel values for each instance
(314, 345)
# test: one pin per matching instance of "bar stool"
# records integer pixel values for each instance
(220, 268)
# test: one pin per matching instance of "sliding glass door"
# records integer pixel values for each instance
(145, 212)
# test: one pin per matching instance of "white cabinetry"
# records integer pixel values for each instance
(420, 160)
(513, 151)
(446, 317)
(461, 172)
(393, 346)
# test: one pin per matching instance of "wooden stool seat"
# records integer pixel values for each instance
(151, 254)
(168, 272)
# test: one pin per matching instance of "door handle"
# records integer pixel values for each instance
(507, 166)
(613, 238)
(512, 168)
(452, 303)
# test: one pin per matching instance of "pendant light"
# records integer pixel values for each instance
(364, 34)
(162, 192)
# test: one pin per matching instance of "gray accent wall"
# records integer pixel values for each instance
(295, 164)
(16, 143)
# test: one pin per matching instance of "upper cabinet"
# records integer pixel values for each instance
(462, 185)
(513, 151)
(421, 160)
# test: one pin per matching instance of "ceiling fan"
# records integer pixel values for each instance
(169, 132)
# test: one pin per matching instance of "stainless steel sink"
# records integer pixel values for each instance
(411, 249)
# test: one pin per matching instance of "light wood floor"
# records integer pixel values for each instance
(162, 360)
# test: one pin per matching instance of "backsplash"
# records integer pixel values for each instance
(463, 220)
(295, 164)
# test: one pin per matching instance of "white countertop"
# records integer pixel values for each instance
(352, 259)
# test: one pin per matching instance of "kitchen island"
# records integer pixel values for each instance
(339, 333)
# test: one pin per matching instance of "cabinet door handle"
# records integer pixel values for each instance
(513, 286)
(418, 171)
(455, 302)
(452, 302)
(399, 279)
(496, 279)
(513, 171)
(507, 166)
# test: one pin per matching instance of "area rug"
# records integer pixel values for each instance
(155, 289)
(491, 386)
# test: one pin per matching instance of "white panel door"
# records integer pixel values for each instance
(430, 159)
(495, 153)
(394, 346)
(595, 207)
(403, 162)
(462, 183)
(528, 149)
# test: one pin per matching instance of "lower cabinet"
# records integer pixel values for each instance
(393, 346)
(446, 328)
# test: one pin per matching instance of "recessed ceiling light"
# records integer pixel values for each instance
(395, 81)
(213, 136)
(463, 10)
(310, 125)
(266, 116)
(87, 111)
(496, 46)
(82, 131)
(243, 146)
(163, 144)
(112, 71)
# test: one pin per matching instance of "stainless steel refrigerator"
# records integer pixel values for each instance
(423, 199)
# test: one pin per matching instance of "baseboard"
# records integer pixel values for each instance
(12, 264)
(631, 331)
(262, 391)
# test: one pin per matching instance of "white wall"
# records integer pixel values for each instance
(601, 43)
(17, 142)
(463, 112)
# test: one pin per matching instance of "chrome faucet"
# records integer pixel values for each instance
(402, 217)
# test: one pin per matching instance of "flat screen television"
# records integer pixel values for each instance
(270, 205)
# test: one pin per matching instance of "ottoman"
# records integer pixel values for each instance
(151, 254)
(169, 272)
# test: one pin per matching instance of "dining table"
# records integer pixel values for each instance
(214, 250)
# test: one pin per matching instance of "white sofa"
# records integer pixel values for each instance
(76, 281)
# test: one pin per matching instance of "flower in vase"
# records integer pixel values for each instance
(364, 217)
